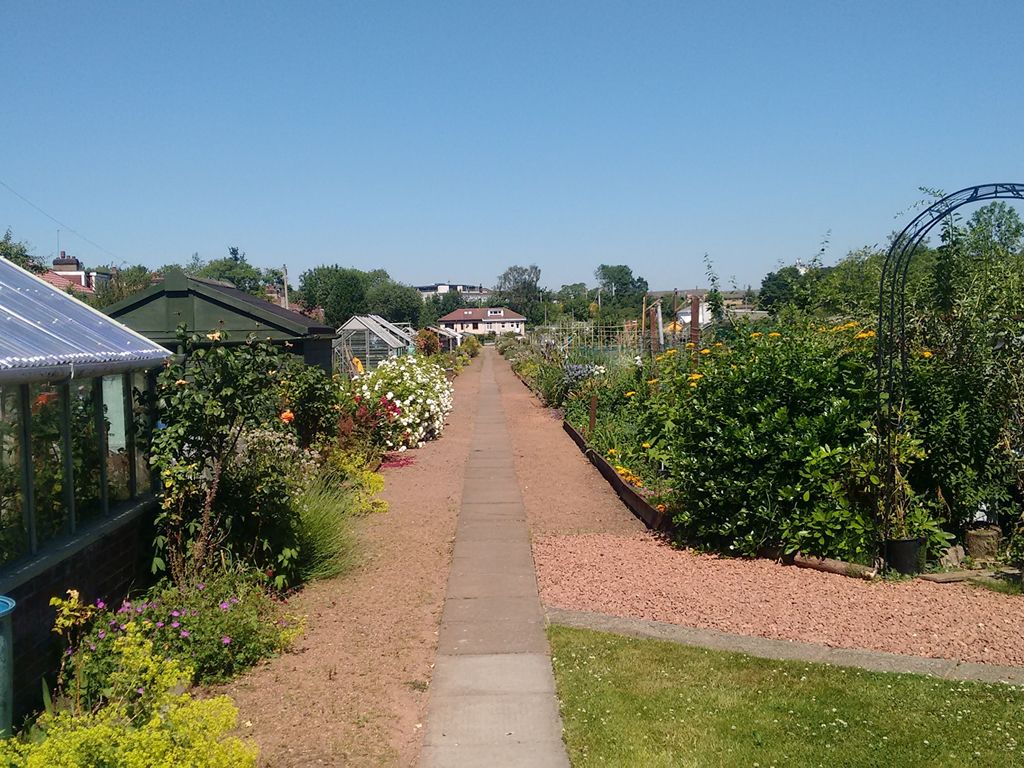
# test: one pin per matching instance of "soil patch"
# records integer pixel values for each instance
(354, 690)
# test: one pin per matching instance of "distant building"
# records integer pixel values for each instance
(472, 293)
(481, 321)
(69, 275)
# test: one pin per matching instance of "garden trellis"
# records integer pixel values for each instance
(893, 352)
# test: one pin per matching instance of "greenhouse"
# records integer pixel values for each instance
(371, 339)
(69, 468)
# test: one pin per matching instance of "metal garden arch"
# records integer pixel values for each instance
(892, 321)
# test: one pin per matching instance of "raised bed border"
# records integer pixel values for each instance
(651, 517)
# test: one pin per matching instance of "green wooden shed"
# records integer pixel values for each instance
(205, 306)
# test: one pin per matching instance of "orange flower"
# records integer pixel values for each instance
(661, 507)
(287, 416)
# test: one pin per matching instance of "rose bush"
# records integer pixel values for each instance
(408, 398)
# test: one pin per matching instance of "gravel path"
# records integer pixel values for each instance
(354, 691)
(642, 577)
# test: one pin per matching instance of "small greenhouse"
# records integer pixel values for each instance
(70, 470)
(371, 339)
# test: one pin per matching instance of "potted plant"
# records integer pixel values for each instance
(905, 518)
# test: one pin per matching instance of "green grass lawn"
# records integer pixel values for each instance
(648, 703)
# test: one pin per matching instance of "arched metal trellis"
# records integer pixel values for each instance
(892, 320)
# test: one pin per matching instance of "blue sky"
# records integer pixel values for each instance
(448, 140)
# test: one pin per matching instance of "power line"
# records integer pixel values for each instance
(57, 221)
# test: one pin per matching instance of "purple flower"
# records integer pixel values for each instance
(175, 624)
(159, 624)
(102, 634)
(200, 587)
(139, 609)
(123, 627)
(175, 613)
(92, 646)
(226, 640)
(141, 691)
(184, 633)
(234, 601)
(225, 605)
(100, 605)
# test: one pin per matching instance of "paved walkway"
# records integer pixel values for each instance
(492, 696)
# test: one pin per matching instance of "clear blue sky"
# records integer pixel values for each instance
(448, 140)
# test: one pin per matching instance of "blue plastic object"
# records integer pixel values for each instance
(6, 666)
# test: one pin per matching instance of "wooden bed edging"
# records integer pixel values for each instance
(652, 518)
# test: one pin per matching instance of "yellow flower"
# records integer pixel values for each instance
(671, 351)
(659, 358)
(755, 335)
(693, 385)
(652, 381)
(215, 336)
(774, 335)
(719, 344)
(927, 353)
(612, 451)
(865, 335)
(705, 351)
(645, 445)
(630, 393)
(181, 382)
(695, 376)
(690, 345)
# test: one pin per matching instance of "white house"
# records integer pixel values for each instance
(474, 293)
(483, 320)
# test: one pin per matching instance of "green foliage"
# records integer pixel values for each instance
(395, 302)
(122, 283)
(518, 288)
(144, 719)
(471, 345)
(314, 399)
(207, 401)
(345, 291)
(427, 342)
(18, 252)
(617, 281)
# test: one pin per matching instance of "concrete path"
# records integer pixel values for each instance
(492, 696)
(763, 647)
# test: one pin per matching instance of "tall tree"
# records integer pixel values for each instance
(519, 289)
(235, 269)
(617, 281)
(395, 302)
(19, 253)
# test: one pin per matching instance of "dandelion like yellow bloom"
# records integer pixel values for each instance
(774, 335)
(630, 393)
(756, 335)
(659, 358)
(695, 376)
(719, 344)
(612, 451)
(645, 445)
(652, 381)
(705, 351)
(671, 352)
(927, 353)
(865, 335)
(693, 385)
(690, 345)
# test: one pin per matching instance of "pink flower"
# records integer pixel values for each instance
(175, 624)
(185, 633)
(225, 605)
(100, 604)
(226, 640)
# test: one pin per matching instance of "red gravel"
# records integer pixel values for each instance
(642, 577)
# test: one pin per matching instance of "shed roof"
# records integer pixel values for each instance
(46, 334)
(197, 302)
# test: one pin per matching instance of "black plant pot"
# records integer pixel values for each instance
(904, 555)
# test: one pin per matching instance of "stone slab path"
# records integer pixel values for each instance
(492, 697)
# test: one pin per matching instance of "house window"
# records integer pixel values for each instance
(476, 326)
(495, 312)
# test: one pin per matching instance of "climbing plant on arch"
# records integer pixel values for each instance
(892, 349)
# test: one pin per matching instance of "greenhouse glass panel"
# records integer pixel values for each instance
(117, 458)
(143, 480)
(52, 515)
(85, 450)
(13, 536)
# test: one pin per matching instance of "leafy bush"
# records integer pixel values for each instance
(221, 627)
(407, 398)
(427, 342)
(314, 399)
(144, 719)
(471, 345)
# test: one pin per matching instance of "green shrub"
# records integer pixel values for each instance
(222, 627)
(144, 720)
(427, 342)
(314, 399)
(471, 345)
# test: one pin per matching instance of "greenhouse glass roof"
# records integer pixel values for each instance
(46, 334)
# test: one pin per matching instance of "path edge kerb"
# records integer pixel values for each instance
(786, 650)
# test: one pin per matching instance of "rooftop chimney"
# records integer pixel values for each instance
(65, 263)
